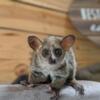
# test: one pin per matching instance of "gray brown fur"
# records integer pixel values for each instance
(63, 69)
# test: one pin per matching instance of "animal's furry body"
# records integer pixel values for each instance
(53, 62)
(60, 72)
(59, 69)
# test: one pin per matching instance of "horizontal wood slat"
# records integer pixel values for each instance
(56, 5)
(34, 20)
(95, 39)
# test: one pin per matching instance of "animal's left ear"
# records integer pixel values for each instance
(68, 41)
(34, 42)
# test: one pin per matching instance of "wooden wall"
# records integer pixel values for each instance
(18, 20)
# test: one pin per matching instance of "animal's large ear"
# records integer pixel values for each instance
(34, 42)
(68, 41)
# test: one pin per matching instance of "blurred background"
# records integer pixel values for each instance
(21, 18)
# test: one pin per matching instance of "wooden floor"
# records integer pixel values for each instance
(18, 20)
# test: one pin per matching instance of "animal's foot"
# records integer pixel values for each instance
(49, 91)
(53, 92)
(79, 88)
(32, 85)
(54, 97)
(24, 83)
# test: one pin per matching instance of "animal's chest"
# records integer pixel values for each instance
(59, 70)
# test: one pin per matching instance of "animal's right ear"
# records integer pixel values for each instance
(34, 42)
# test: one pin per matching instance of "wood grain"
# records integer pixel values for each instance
(33, 20)
(61, 6)
(57, 5)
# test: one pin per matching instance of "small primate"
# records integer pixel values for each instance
(53, 62)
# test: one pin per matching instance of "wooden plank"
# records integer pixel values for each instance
(88, 2)
(87, 53)
(57, 5)
(33, 19)
(95, 39)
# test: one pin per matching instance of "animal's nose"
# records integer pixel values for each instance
(52, 61)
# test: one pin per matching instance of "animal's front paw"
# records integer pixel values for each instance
(53, 92)
(54, 97)
(24, 83)
(79, 88)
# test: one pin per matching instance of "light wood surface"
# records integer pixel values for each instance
(57, 5)
(17, 92)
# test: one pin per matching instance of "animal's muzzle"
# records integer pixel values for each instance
(52, 61)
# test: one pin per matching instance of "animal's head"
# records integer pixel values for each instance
(52, 50)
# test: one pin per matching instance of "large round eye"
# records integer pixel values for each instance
(45, 52)
(58, 52)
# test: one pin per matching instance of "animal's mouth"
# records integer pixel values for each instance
(52, 61)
